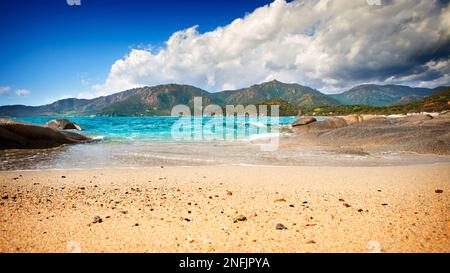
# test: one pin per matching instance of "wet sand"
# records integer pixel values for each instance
(227, 209)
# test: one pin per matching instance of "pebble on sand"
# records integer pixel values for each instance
(280, 200)
(97, 219)
(438, 191)
(240, 218)
(280, 226)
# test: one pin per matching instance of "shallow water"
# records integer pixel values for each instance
(148, 141)
(166, 153)
(132, 129)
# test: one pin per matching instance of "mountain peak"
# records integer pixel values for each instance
(274, 81)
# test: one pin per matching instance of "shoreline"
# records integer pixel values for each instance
(227, 209)
(440, 163)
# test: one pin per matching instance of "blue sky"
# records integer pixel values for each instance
(55, 50)
(50, 50)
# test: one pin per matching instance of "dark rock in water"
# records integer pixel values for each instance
(21, 135)
(280, 226)
(63, 124)
(303, 121)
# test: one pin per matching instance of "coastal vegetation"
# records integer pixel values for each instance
(436, 102)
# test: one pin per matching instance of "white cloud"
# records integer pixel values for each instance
(325, 44)
(22, 92)
(5, 90)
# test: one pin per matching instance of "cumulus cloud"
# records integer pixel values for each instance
(22, 92)
(326, 44)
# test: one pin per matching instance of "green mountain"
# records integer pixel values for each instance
(437, 102)
(159, 100)
(294, 94)
(382, 95)
(285, 108)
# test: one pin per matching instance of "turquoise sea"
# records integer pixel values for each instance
(157, 128)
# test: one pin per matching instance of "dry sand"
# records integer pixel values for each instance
(227, 209)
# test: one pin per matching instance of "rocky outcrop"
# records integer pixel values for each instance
(418, 133)
(21, 135)
(303, 121)
(351, 119)
(323, 125)
(63, 124)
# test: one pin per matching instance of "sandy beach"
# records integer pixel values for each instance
(227, 209)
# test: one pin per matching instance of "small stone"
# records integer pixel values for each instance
(187, 219)
(438, 191)
(280, 226)
(97, 219)
(346, 205)
(360, 210)
(229, 193)
(310, 242)
(291, 206)
(384, 204)
(341, 200)
(63, 176)
(240, 218)
(280, 200)
(4, 197)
